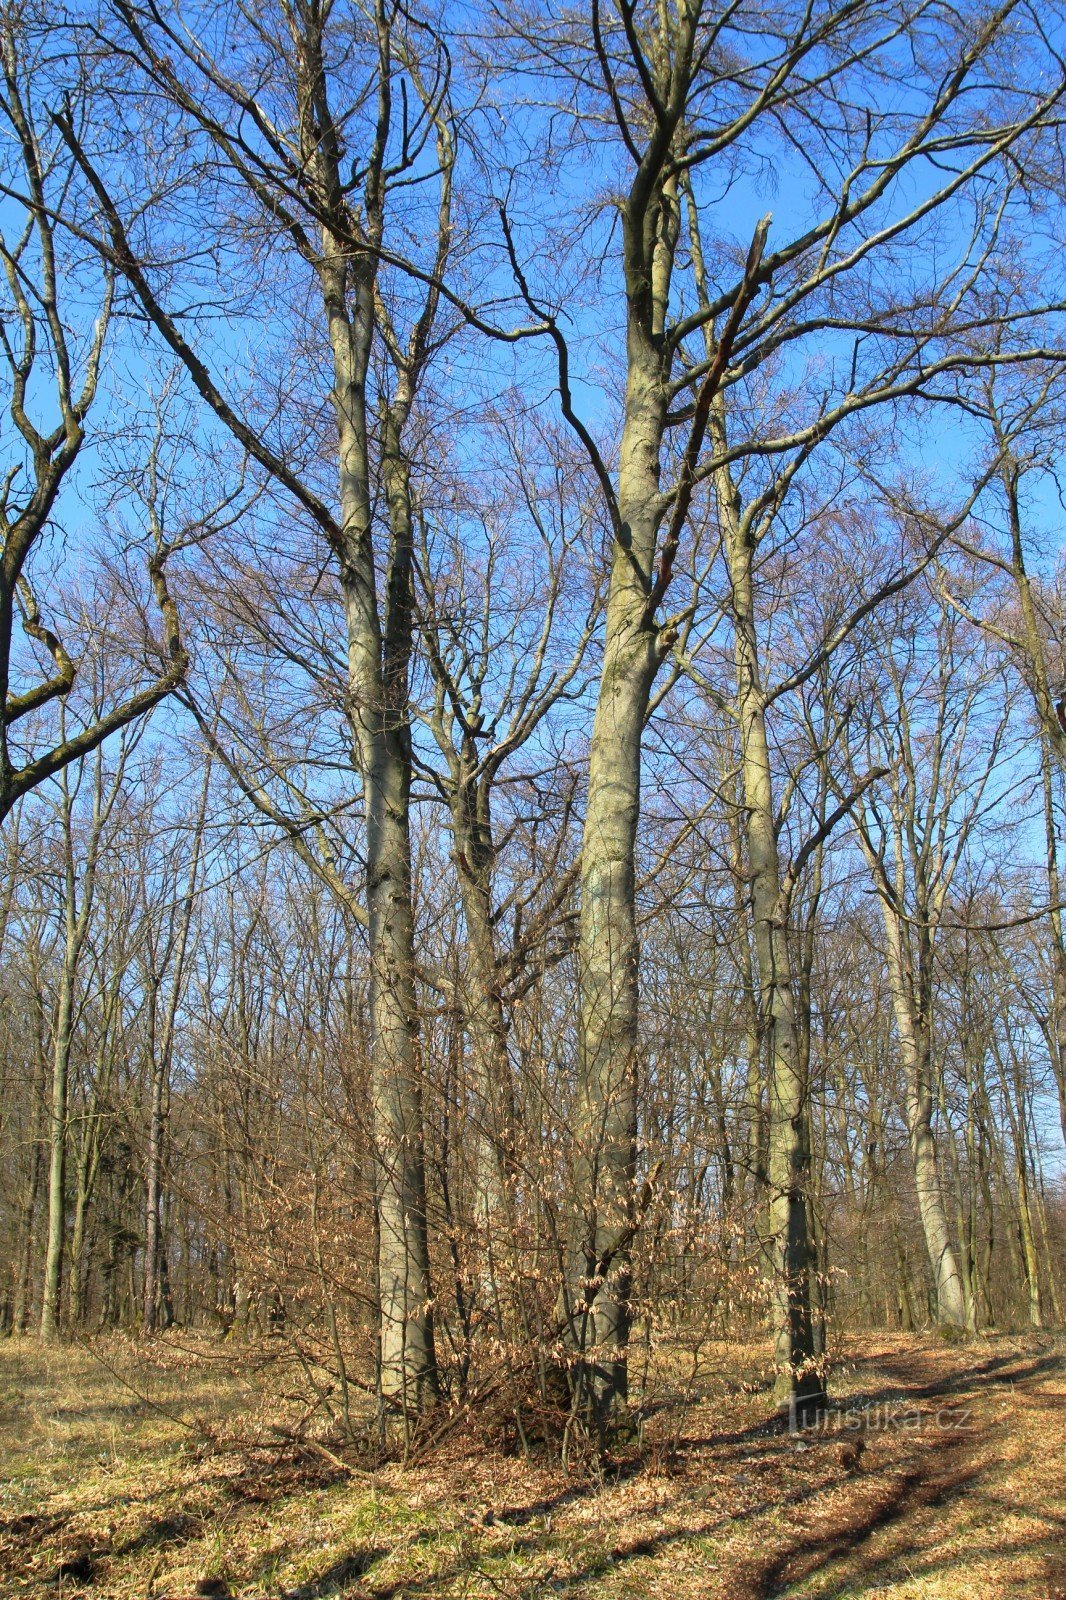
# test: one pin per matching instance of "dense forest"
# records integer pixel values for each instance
(532, 628)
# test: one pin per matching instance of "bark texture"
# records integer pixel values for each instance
(915, 1050)
(799, 1384)
(379, 645)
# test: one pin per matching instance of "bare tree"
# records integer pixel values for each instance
(675, 97)
(914, 837)
(45, 354)
(291, 162)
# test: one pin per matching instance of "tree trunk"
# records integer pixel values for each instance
(152, 1176)
(57, 1158)
(915, 1058)
(605, 1156)
(1028, 1241)
(606, 1122)
(1014, 1101)
(378, 678)
(799, 1384)
(1056, 1030)
(379, 646)
(22, 1309)
(1052, 750)
(497, 1117)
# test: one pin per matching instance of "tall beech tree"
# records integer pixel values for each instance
(327, 144)
(800, 330)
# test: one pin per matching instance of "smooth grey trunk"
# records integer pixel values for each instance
(336, 220)
(597, 1306)
(606, 1122)
(57, 1145)
(379, 644)
(408, 1367)
(606, 1115)
(469, 790)
(798, 1383)
(378, 677)
(785, 1166)
(153, 1175)
(915, 1049)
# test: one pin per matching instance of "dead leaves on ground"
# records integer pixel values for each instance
(939, 1477)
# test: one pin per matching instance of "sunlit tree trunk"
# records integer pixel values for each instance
(916, 1061)
(606, 1119)
(75, 927)
(1055, 1027)
(799, 1383)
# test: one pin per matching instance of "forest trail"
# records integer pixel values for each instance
(961, 1489)
(957, 1491)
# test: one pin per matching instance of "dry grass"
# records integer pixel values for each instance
(958, 1493)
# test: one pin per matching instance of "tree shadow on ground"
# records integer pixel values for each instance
(338, 1578)
(995, 1368)
(834, 1517)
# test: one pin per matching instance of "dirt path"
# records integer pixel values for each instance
(959, 1487)
(943, 1475)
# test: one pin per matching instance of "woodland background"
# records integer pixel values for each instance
(531, 619)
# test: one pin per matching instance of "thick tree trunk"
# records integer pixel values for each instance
(605, 1155)
(606, 1123)
(408, 1366)
(798, 1383)
(379, 646)
(379, 659)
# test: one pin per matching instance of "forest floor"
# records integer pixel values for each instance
(958, 1492)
